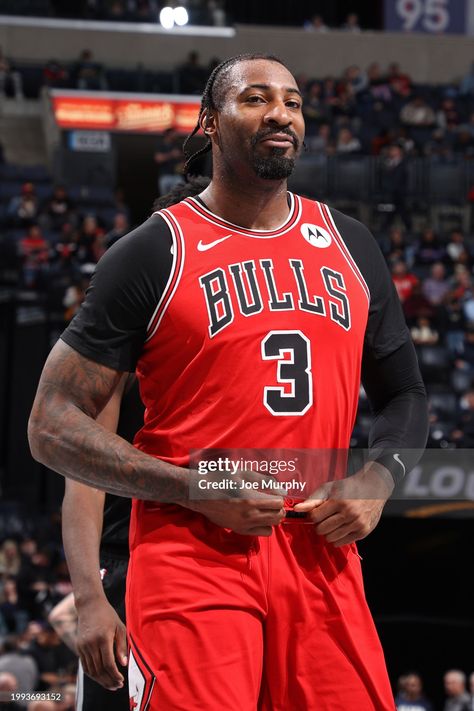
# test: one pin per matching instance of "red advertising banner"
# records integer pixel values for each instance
(116, 113)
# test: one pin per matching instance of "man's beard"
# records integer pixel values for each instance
(276, 166)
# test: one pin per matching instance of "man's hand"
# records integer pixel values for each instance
(348, 510)
(102, 643)
(246, 511)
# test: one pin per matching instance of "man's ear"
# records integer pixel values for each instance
(208, 123)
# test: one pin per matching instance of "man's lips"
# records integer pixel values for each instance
(279, 139)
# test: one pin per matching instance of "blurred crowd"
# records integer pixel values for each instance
(51, 245)
(34, 578)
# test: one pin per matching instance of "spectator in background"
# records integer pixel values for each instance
(192, 75)
(410, 697)
(456, 245)
(463, 436)
(393, 184)
(321, 143)
(316, 24)
(417, 113)
(416, 306)
(89, 74)
(54, 660)
(119, 229)
(10, 559)
(14, 616)
(169, 157)
(34, 258)
(395, 248)
(399, 82)
(423, 334)
(64, 254)
(436, 286)
(21, 665)
(471, 689)
(55, 75)
(429, 249)
(9, 685)
(467, 84)
(347, 142)
(216, 10)
(447, 117)
(116, 10)
(455, 680)
(23, 209)
(452, 322)
(75, 293)
(57, 210)
(91, 241)
(379, 86)
(10, 78)
(351, 23)
(356, 79)
(404, 281)
(314, 109)
(465, 360)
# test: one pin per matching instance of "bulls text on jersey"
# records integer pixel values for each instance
(237, 287)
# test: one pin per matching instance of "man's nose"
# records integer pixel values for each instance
(278, 113)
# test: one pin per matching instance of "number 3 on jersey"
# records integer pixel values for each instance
(294, 370)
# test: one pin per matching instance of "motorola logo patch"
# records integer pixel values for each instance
(316, 236)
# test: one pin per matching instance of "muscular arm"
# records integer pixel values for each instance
(65, 436)
(82, 519)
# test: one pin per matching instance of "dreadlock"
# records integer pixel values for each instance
(213, 96)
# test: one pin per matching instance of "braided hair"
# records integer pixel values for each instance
(213, 96)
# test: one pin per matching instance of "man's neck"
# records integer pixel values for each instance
(256, 204)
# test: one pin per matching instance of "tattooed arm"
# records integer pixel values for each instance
(63, 619)
(64, 435)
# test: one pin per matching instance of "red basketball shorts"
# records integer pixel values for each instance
(223, 622)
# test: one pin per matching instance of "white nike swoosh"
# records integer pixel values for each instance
(204, 247)
(397, 459)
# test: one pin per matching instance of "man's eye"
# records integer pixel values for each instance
(255, 99)
(293, 104)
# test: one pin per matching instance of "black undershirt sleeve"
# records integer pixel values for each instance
(390, 372)
(397, 397)
(128, 282)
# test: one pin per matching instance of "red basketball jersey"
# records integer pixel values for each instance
(257, 340)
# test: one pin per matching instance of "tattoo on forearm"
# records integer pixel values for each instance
(64, 435)
(66, 628)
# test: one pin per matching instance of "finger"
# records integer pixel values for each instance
(317, 498)
(85, 663)
(267, 502)
(121, 645)
(266, 518)
(331, 524)
(109, 671)
(350, 538)
(325, 510)
(342, 533)
(89, 665)
(308, 504)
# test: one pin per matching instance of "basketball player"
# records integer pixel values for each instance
(91, 620)
(249, 314)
